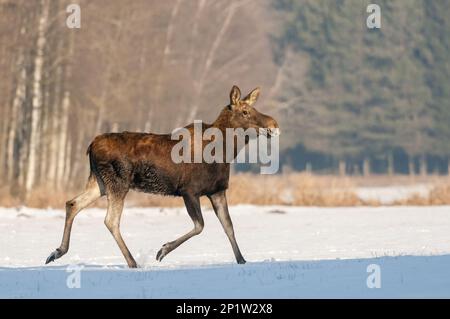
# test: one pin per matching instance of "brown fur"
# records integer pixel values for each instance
(142, 162)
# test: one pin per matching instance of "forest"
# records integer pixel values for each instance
(348, 99)
(369, 99)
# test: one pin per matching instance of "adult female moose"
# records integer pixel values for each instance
(142, 161)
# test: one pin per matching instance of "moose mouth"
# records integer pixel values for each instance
(273, 131)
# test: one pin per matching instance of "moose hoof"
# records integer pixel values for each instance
(163, 252)
(241, 261)
(54, 255)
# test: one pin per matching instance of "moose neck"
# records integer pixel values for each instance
(224, 122)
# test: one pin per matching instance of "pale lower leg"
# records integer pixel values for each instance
(220, 206)
(112, 222)
(73, 207)
(194, 211)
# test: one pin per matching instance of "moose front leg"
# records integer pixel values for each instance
(194, 210)
(219, 203)
(112, 222)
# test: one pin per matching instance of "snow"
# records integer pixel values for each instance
(292, 252)
(390, 194)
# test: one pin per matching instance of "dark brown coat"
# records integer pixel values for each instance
(142, 162)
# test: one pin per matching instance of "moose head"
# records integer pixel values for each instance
(242, 113)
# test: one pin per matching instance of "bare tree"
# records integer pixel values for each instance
(37, 94)
(64, 86)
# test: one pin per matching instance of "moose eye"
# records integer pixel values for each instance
(245, 112)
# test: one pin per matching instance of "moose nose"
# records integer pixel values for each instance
(274, 131)
(273, 128)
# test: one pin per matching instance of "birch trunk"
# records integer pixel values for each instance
(37, 95)
(106, 86)
(411, 170)
(21, 149)
(79, 156)
(366, 167)
(53, 158)
(6, 111)
(167, 50)
(448, 167)
(102, 101)
(68, 162)
(342, 168)
(423, 166)
(390, 164)
(44, 140)
(211, 56)
(62, 139)
(63, 161)
(192, 55)
(19, 98)
(148, 127)
(308, 168)
(3, 141)
(54, 105)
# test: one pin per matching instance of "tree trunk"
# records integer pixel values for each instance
(342, 167)
(192, 55)
(390, 164)
(62, 140)
(37, 96)
(356, 170)
(19, 99)
(67, 162)
(79, 159)
(55, 126)
(231, 10)
(423, 166)
(166, 53)
(411, 168)
(107, 83)
(63, 162)
(366, 167)
(44, 140)
(3, 142)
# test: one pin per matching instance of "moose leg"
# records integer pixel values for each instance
(194, 210)
(112, 222)
(219, 203)
(73, 207)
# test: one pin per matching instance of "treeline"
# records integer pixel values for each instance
(35, 95)
(366, 99)
(348, 99)
(139, 66)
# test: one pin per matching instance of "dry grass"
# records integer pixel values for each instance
(439, 195)
(6, 200)
(42, 198)
(404, 180)
(291, 189)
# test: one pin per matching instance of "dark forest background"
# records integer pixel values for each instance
(349, 100)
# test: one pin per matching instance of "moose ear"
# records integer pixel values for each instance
(251, 98)
(235, 95)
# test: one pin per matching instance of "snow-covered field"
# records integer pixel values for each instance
(389, 194)
(291, 252)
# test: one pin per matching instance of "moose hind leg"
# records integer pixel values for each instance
(219, 203)
(112, 222)
(73, 207)
(194, 210)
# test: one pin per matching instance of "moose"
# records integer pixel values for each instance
(120, 162)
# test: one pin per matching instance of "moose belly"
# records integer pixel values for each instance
(148, 179)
